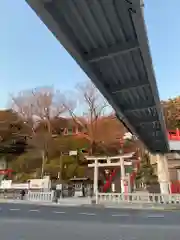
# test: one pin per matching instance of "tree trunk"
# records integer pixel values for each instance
(43, 164)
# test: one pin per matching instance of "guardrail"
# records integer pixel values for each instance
(114, 198)
(40, 196)
(118, 198)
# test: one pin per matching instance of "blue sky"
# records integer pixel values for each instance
(30, 56)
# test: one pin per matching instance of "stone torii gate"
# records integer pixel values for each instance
(115, 161)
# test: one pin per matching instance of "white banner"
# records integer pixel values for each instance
(32, 184)
(39, 183)
(19, 186)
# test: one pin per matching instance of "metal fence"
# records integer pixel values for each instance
(138, 198)
(40, 196)
(107, 198)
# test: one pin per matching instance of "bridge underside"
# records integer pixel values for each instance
(107, 38)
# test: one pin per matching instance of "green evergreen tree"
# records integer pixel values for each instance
(146, 173)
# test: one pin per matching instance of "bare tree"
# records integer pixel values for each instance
(37, 107)
(93, 107)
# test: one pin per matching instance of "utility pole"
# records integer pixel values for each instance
(60, 166)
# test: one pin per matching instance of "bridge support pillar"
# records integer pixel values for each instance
(163, 174)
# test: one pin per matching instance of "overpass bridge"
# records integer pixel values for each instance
(108, 40)
(174, 140)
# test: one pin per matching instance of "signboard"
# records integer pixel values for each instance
(6, 184)
(39, 183)
(73, 153)
(19, 186)
(59, 187)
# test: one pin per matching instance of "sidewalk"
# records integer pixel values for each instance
(61, 202)
(87, 203)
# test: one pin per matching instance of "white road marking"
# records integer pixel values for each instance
(59, 212)
(88, 214)
(34, 210)
(14, 209)
(155, 216)
(120, 215)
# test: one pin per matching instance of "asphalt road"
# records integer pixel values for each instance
(27, 222)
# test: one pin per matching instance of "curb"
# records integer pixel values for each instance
(144, 208)
(50, 204)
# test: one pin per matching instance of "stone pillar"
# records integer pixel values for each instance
(123, 174)
(3, 166)
(129, 182)
(95, 187)
(163, 174)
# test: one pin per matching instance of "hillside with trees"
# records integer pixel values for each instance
(43, 125)
(172, 113)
